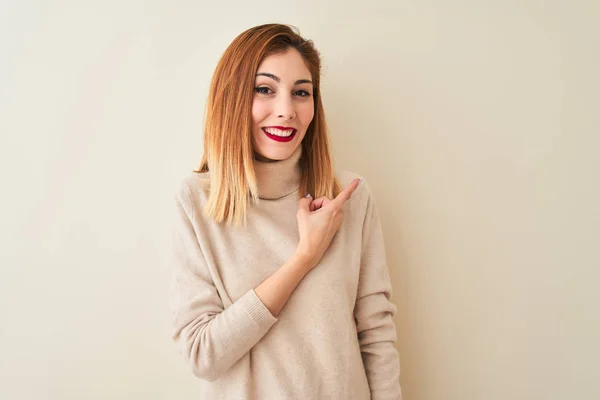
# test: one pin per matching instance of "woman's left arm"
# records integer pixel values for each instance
(373, 311)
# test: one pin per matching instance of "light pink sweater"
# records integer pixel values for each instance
(334, 338)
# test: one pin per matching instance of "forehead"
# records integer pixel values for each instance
(289, 66)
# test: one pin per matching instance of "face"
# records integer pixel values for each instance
(283, 105)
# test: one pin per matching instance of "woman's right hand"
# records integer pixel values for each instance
(318, 222)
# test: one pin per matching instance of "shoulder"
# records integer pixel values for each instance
(193, 189)
(346, 177)
(362, 194)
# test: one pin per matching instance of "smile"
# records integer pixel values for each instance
(280, 135)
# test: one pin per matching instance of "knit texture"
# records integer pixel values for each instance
(334, 338)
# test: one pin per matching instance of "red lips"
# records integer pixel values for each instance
(279, 138)
(283, 128)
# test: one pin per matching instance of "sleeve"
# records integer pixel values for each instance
(374, 310)
(211, 338)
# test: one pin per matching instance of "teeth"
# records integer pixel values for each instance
(279, 132)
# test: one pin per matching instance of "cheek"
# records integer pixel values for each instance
(306, 113)
(259, 111)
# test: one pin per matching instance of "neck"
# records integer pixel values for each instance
(261, 158)
(278, 178)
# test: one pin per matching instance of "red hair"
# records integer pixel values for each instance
(228, 124)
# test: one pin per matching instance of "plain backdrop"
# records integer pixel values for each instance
(475, 123)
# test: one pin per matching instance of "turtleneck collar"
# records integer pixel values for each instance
(277, 179)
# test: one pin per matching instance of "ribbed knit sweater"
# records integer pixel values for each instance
(333, 339)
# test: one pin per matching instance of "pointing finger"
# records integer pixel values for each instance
(345, 194)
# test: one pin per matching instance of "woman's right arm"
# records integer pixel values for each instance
(213, 338)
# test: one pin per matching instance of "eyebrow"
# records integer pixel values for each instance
(276, 78)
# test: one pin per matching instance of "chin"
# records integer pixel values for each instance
(277, 154)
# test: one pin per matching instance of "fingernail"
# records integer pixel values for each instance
(307, 196)
(361, 181)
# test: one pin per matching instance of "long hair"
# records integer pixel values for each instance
(228, 153)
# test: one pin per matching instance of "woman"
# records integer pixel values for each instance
(278, 295)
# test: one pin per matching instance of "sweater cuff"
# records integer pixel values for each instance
(258, 312)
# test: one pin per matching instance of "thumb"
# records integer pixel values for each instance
(304, 203)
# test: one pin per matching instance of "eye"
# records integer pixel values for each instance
(304, 93)
(262, 90)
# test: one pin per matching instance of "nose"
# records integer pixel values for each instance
(285, 107)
